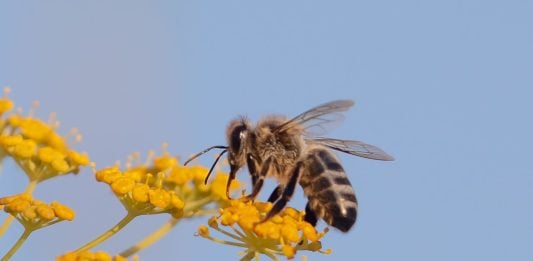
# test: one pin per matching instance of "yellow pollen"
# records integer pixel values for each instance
(49, 154)
(140, 193)
(102, 256)
(45, 212)
(213, 222)
(288, 251)
(81, 159)
(25, 149)
(165, 162)
(9, 141)
(108, 175)
(122, 185)
(159, 198)
(29, 213)
(177, 202)
(60, 165)
(203, 231)
(5, 105)
(62, 211)
(290, 234)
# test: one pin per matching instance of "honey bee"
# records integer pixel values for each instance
(292, 151)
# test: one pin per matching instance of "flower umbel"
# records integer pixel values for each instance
(33, 214)
(36, 146)
(90, 256)
(282, 235)
(159, 185)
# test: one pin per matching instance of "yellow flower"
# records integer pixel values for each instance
(25, 149)
(164, 162)
(81, 159)
(288, 251)
(62, 211)
(5, 105)
(108, 175)
(60, 165)
(33, 213)
(203, 231)
(37, 147)
(48, 154)
(140, 193)
(35, 129)
(122, 185)
(90, 256)
(45, 212)
(284, 234)
(159, 198)
(10, 141)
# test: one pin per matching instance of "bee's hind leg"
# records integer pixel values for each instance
(310, 215)
(287, 192)
(275, 194)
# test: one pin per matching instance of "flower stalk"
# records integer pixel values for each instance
(110, 232)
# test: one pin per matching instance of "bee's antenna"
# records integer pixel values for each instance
(214, 164)
(203, 152)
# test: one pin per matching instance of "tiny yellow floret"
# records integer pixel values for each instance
(5, 105)
(140, 193)
(289, 251)
(122, 185)
(12, 140)
(164, 162)
(159, 198)
(62, 211)
(203, 231)
(25, 149)
(45, 212)
(60, 165)
(108, 175)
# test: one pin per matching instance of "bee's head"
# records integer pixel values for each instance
(237, 137)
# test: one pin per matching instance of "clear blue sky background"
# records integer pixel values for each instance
(444, 86)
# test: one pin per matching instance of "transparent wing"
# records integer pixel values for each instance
(317, 120)
(353, 147)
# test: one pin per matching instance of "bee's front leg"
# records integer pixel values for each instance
(257, 178)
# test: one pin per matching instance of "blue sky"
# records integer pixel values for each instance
(444, 86)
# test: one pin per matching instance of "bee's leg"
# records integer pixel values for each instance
(275, 194)
(310, 215)
(287, 192)
(257, 178)
(230, 179)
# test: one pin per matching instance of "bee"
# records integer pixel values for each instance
(293, 152)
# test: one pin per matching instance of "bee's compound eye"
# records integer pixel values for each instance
(237, 136)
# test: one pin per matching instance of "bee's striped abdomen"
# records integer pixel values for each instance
(330, 193)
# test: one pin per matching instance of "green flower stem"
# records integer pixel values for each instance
(17, 245)
(149, 240)
(191, 209)
(121, 224)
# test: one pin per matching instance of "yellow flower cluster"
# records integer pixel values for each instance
(284, 234)
(90, 256)
(36, 146)
(141, 192)
(162, 186)
(34, 214)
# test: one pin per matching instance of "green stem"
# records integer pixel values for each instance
(17, 245)
(122, 223)
(149, 240)
(189, 210)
